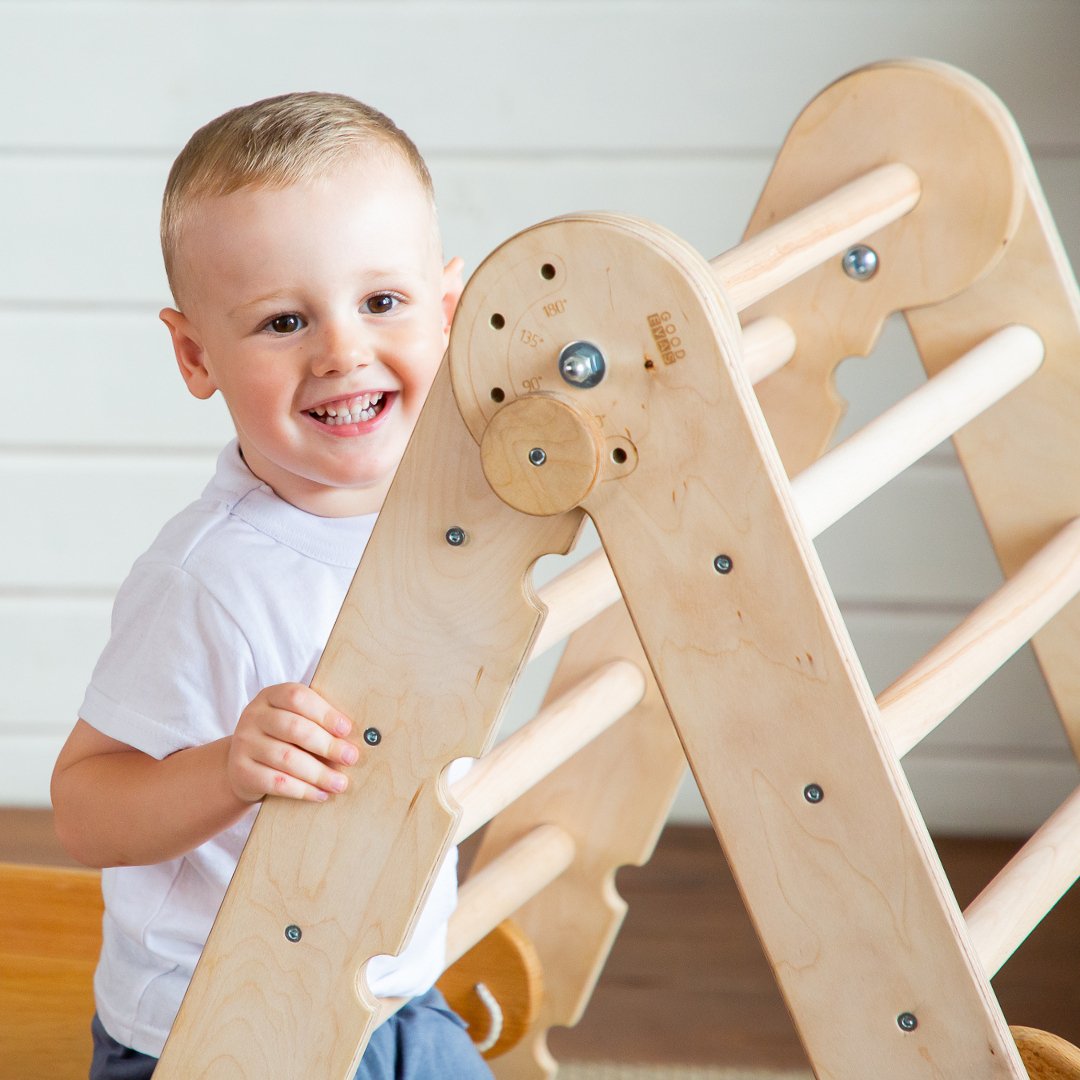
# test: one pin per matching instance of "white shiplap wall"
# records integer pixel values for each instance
(667, 109)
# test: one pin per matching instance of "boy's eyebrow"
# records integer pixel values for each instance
(253, 303)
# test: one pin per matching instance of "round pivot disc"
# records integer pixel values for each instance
(540, 455)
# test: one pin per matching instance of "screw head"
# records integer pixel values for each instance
(373, 736)
(455, 536)
(723, 564)
(907, 1021)
(860, 262)
(537, 455)
(293, 933)
(582, 364)
(813, 793)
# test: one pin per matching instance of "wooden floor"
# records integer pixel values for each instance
(686, 982)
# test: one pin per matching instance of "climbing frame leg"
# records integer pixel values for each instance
(748, 649)
(349, 876)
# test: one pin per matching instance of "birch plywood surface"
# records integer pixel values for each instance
(427, 646)
(848, 897)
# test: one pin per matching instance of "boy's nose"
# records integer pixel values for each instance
(341, 349)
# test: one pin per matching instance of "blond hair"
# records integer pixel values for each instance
(274, 143)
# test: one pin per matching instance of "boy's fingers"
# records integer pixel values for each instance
(276, 782)
(301, 699)
(292, 729)
(288, 762)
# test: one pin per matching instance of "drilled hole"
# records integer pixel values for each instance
(618, 455)
(497, 321)
(498, 394)
(547, 271)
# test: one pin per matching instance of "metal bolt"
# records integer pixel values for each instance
(537, 455)
(373, 736)
(722, 564)
(293, 933)
(860, 262)
(455, 536)
(813, 793)
(907, 1021)
(582, 364)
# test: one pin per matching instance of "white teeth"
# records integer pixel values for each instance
(351, 412)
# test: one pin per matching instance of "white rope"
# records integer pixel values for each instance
(496, 1015)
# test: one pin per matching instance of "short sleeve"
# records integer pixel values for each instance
(177, 670)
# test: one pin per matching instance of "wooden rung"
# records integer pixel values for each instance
(929, 691)
(828, 227)
(1046, 1056)
(1032, 882)
(849, 473)
(573, 598)
(767, 345)
(498, 890)
(553, 736)
(845, 476)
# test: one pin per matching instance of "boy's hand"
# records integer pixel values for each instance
(289, 742)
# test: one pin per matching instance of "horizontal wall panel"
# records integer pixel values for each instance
(919, 540)
(960, 796)
(102, 379)
(90, 518)
(26, 764)
(1011, 711)
(969, 796)
(523, 76)
(50, 647)
(85, 231)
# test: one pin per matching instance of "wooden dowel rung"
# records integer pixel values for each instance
(573, 598)
(849, 473)
(500, 888)
(1032, 882)
(496, 892)
(553, 736)
(930, 690)
(828, 227)
(845, 476)
(768, 344)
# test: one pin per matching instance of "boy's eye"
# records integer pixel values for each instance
(285, 324)
(381, 303)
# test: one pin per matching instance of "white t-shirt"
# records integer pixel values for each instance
(237, 593)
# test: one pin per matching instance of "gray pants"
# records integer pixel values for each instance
(423, 1041)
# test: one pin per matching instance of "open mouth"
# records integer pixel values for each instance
(355, 410)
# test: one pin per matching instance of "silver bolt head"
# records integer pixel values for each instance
(907, 1021)
(293, 933)
(537, 455)
(582, 364)
(455, 536)
(860, 262)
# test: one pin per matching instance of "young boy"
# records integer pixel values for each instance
(303, 252)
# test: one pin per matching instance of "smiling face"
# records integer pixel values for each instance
(321, 312)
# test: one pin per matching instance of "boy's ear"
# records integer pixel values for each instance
(190, 355)
(453, 283)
